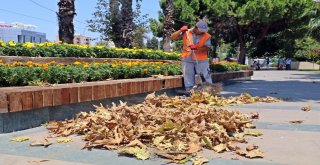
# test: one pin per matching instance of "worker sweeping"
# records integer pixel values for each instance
(194, 59)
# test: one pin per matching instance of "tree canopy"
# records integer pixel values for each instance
(245, 22)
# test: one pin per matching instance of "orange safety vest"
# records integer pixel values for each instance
(200, 54)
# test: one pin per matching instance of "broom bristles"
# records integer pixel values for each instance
(212, 89)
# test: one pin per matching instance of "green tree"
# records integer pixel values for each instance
(115, 20)
(139, 37)
(245, 22)
(307, 49)
(65, 15)
(314, 24)
(152, 43)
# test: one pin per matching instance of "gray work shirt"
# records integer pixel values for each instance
(196, 38)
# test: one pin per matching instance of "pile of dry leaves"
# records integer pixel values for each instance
(174, 128)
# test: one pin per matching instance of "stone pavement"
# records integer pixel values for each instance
(282, 142)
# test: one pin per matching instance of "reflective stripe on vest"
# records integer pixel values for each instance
(200, 54)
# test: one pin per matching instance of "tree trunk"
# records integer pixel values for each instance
(65, 17)
(168, 25)
(116, 23)
(127, 20)
(242, 54)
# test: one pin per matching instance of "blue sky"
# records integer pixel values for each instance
(46, 20)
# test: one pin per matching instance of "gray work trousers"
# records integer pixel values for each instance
(190, 69)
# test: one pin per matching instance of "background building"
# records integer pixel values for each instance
(79, 40)
(20, 34)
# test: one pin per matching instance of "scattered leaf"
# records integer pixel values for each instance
(296, 121)
(44, 143)
(254, 153)
(20, 139)
(199, 160)
(252, 147)
(64, 140)
(38, 161)
(254, 115)
(257, 153)
(219, 148)
(306, 108)
(255, 133)
(139, 153)
(175, 157)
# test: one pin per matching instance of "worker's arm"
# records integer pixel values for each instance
(176, 35)
(206, 46)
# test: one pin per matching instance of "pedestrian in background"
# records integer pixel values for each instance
(280, 63)
(268, 62)
(288, 64)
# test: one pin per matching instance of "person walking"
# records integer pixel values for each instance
(288, 64)
(280, 64)
(194, 58)
(268, 62)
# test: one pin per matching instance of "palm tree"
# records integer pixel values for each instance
(314, 24)
(127, 20)
(65, 18)
(168, 25)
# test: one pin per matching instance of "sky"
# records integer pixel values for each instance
(28, 12)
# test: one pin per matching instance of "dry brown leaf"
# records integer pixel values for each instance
(38, 161)
(199, 160)
(306, 108)
(44, 143)
(136, 142)
(254, 115)
(177, 126)
(255, 133)
(219, 148)
(296, 121)
(256, 153)
(177, 157)
(20, 138)
(140, 153)
(193, 147)
(252, 147)
(64, 140)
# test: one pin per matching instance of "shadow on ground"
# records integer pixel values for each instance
(293, 90)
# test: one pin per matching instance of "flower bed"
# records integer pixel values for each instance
(30, 73)
(227, 66)
(49, 49)
(33, 73)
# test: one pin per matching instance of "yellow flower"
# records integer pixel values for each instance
(85, 65)
(158, 67)
(12, 43)
(29, 63)
(0, 59)
(77, 63)
(145, 70)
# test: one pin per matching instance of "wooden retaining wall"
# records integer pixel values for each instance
(15, 99)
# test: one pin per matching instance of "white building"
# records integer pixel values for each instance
(20, 34)
(79, 40)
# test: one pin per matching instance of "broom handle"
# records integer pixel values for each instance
(195, 57)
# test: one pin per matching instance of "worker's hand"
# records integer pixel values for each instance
(184, 28)
(193, 47)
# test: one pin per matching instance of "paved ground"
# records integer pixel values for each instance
(282, 142)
